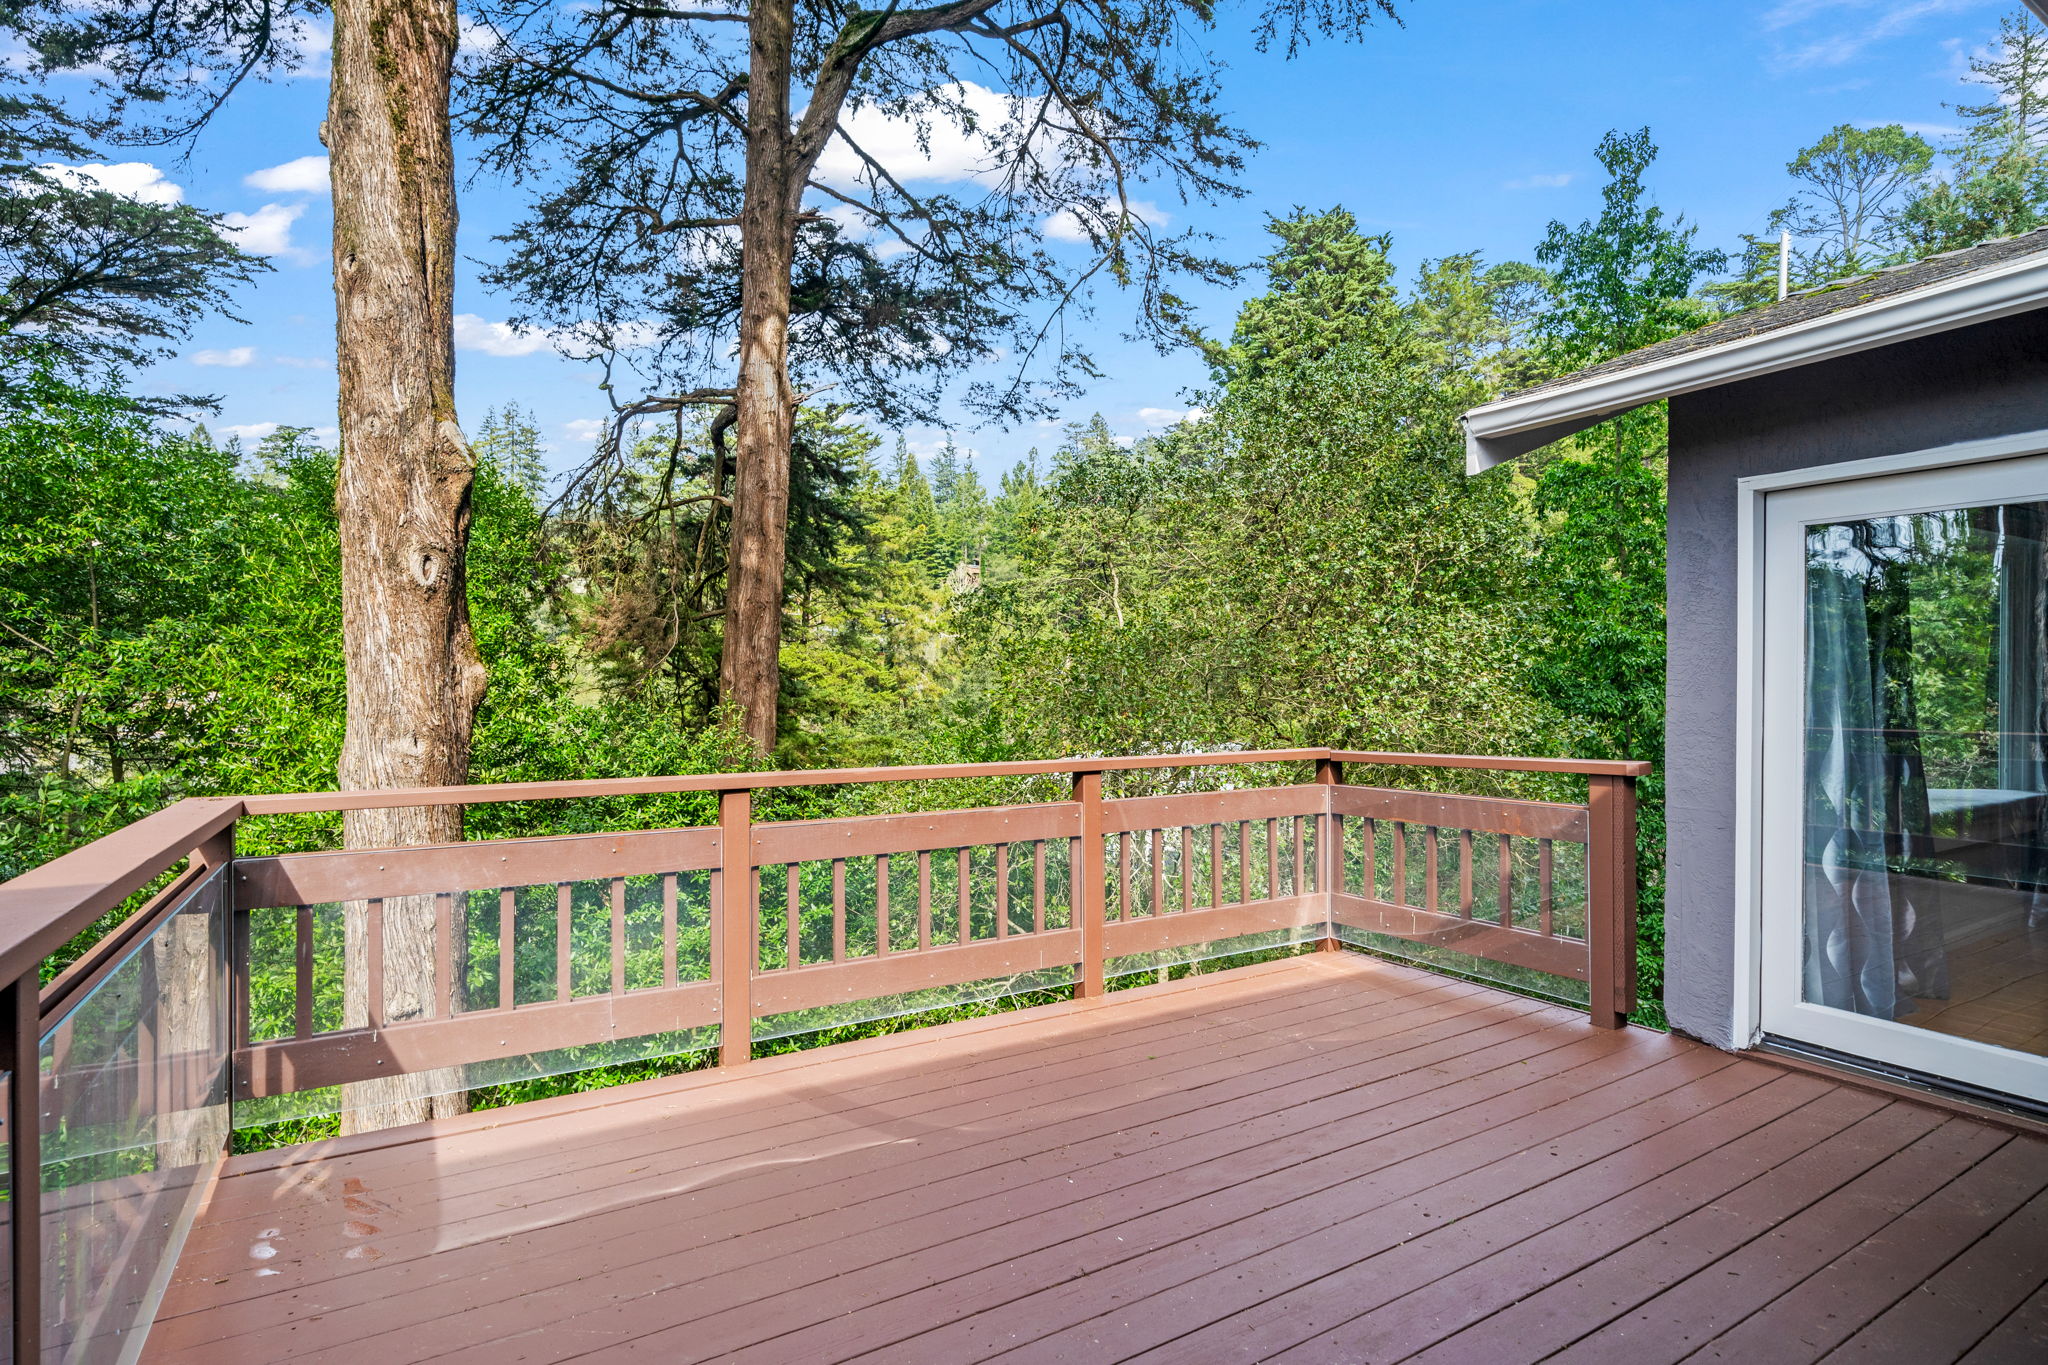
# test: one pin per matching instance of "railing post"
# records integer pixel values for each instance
(1611, 900)
(1329, 852)
(1090, 911)
(21, 1027)
(737, 887)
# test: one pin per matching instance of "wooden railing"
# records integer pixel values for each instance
(736, 923)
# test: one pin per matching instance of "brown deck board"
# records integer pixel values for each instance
(1330, 1156)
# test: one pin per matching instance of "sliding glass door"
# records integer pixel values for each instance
(1904, 887)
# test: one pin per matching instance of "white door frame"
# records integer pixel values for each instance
(1752, 497)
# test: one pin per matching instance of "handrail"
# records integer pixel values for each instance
(482, 793)
(1582, 767)
(303, 802)
(48, 906)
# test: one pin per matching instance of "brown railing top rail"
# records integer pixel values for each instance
(46, 907)
(303, 802)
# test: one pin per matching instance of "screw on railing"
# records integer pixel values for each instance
(1611, 900)
(735, 920)
(1090, 911)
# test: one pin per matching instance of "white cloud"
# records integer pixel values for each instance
(1540, 182)
(1166, 417)
(473, 333)
(1809, 42)
(584, 430)
(233, 358)
(249, 431)
(942, 150)
(304, 175)
(304, 362)
(1066, 225)
(136, 180)
(267, 231)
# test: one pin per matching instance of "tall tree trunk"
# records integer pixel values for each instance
(750, 669)
(403, 498)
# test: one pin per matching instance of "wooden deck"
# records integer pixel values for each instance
(1324, 1159)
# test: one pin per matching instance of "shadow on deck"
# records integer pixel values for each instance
(1329, 1158)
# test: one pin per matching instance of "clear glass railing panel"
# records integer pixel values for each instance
(134, 1122)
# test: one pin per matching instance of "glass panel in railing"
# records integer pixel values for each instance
(1159, 963)
(134, 1122)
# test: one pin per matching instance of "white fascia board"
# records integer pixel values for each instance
(1501, 430)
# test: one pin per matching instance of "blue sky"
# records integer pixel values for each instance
(1469, 129)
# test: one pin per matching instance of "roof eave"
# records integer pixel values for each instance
(1499, 431)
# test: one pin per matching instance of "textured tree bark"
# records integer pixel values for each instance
(403, 497)
(750, 668)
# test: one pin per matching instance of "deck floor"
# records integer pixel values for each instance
(1324, 1159)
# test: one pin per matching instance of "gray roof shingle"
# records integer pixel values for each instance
(1834, 297)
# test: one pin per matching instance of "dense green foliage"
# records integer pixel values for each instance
(1301, 560)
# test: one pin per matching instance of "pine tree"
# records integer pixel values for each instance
(1997, 180)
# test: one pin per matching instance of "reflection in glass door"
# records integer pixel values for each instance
(1906, 700)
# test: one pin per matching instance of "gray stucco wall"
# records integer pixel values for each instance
(1987, 380)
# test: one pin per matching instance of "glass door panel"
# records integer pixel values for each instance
(1906, 772)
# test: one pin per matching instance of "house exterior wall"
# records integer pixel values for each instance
(1982, 381)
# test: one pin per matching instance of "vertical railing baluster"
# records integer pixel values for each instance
(1272, 859)
(1089, 887)
(839, 909)
(964, 883)
(444, 956)
(508, 959)
(733, 948)
(1002, 890)
(302, 972)
(1545, 894)
(1300, 855)
(1370, 828)
(924, 899)
(373, 961)
(881, 905)
(1465, 874)
(565, 904)
(1038, 886)
(670, 971)
(1158, 872)
(1187, 868)
(1215, 864)
(1507, 884)
(1398, 840)
(1123, 877)
(1244, 861)
(618, 936)
(793, 928)
(1430, 868)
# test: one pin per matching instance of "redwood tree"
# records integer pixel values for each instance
(403, 491)
(687, 203)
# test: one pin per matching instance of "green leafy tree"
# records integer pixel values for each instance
(731, 192)
(1847, 217)
(1996, 182)
(90, 278)
(1623, 281)
(1328, 286)
(118, 554)
(1306, 563)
